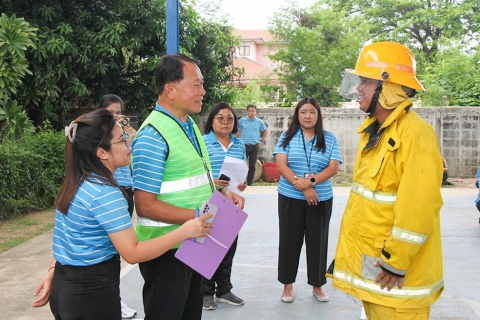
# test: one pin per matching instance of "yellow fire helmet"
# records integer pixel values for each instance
(385, 62)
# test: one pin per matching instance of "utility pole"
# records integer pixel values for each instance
(173, 26)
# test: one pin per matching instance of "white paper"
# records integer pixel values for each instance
(237, 170)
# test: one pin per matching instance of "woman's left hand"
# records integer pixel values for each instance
(311, 196)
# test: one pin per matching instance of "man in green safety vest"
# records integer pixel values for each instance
(171, 179)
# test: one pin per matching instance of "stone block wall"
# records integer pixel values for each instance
(458, 130)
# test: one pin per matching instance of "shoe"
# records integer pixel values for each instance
(287, 299)
(447, 183)
(127, 312)
(321, 298)
(209, 302)
(229, 298)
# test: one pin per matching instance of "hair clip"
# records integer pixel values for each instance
(68, 131)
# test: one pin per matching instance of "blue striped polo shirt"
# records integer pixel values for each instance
(250, 129)
(478, 177)
(297, 161)
(80, 238)
(149, 153)
(217, 151)
(123, 176)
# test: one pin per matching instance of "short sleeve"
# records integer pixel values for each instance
(278, 148)
(149, 153)
(110, 209)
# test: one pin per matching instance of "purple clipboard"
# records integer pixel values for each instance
(206, 257)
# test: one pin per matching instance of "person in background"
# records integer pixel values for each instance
(389, 251)
(171, 180)
(219, 130)
(253, 133)
(445, 181)
(477, 201)
(307, 158)
(123, 175)
(92, 225)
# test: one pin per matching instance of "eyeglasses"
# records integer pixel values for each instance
(123, 140)
(223, 119)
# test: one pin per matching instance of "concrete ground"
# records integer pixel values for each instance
(254, 274)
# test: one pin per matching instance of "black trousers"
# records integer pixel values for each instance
(222, 276)
(298, 220)
(86, 292)
(252, 155)
(172, 290)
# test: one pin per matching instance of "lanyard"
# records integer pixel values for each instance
(305, 149)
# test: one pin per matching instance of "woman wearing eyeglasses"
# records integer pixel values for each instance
(92, 225)
(219, 130)
(307, 158)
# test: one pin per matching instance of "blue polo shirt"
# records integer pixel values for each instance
(478, 177)
(250, 129)
(297, 161)
(80, 238)
(123, 176)
(149, 153)
(217, 152)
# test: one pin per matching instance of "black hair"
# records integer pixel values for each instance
(108, 99)
(93, 131)
(170, 69)
(295, 125)
(215, 110)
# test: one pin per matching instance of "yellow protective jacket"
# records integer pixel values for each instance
(393, 214)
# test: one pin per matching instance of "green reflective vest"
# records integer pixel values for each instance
(187, 180)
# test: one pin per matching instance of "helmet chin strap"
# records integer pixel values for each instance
(373, 104)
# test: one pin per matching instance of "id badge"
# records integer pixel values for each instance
(308, 174)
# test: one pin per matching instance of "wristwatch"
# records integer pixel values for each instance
(263, 140)
(313, 181)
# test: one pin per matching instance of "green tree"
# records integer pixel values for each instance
(317, 44)
(455, 75)
(88, 48)
(15, 37)
(421, 25)
(443, 35)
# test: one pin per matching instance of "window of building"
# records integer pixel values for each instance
(244, 49)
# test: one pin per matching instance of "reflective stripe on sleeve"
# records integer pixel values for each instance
(404, 293)
(381, 197)
(145, 222)
(408, 236)
(185, 184)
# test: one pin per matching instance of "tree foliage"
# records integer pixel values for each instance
(419, 24)
(16, 36)
(317, 44)
(454, 75)
(88, 48)
(443, 34)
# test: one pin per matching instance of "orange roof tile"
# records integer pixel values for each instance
(257, 36)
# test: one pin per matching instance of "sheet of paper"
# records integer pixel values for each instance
(237, 170)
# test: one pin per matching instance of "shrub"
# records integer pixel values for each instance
(32, 172)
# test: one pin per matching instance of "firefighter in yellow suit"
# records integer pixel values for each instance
(389, 252)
